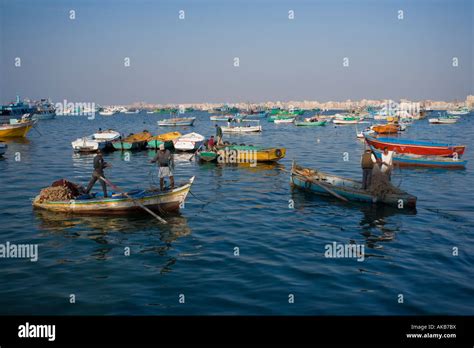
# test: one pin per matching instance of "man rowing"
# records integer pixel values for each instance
(164, 158)
(98, 173)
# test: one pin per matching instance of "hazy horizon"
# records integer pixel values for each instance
(191, 60)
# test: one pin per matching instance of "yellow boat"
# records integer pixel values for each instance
(166, 136)
(19, 129)
(241, 153)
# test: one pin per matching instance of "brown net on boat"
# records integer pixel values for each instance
(61, 190)
(380, 184)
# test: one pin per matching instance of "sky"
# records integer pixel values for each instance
(191, 60)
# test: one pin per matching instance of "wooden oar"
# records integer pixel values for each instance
(323, 187)
(163, 221)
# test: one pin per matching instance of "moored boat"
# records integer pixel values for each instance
(250, 153)
(310, 123)
(177, 121)
(133, 141)
(242, 129)
(188, 142)
(17, 128)
(3, 148)
(389, 128)
(351, 190)
(416, 147)
(284, 120)
(157, 140)
(119, 203)
(443, 120)
(101, 140)
(410, 160)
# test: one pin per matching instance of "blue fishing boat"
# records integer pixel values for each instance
(346, 189)
(410, 160)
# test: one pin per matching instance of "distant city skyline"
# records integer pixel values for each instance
(425, 52)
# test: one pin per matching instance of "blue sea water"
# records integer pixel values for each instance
(281, 248)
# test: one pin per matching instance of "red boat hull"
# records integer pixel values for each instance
(425, 150)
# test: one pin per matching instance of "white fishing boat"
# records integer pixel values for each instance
(44, 110)
(3, 148)
(188, 142)
(132, 112)
(177, 121)
(285, 120)
(242, 129)
(366, 131)
(443, 120)
(108, 112)
(101, 140)
(460, 112)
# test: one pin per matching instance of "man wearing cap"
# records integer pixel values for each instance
(164, 158)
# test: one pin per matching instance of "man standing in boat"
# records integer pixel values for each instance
(387, 163)
(367, 163)
(164, 158)
(98, 173)
(219, 134)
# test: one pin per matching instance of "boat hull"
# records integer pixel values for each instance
(415, 147)
(16, 130)
(245, 153)
(349, 189)
(311, 124)
(168, 201)
(177, 122)
(426, 161)
(249, 129)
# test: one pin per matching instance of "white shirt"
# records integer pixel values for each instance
(388, 159)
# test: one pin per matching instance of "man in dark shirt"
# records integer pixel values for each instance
(219, 134)
(99, 166)
(164, 158)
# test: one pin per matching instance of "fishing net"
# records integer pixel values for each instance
(61, 190)
(380, 184)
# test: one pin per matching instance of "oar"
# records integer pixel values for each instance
(323, 187)
(194, 154)
(163, 221)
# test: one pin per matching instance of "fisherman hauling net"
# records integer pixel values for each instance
(380, 184)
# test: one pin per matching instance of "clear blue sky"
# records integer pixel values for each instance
(191, 60)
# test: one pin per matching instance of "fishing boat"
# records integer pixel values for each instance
(108, 112)
(415, 147)
(459, 111)
(3, 148)
(101, 140)
(130, 112)
(310, 124)
(367, 131)
(343, 120)
(133, 141)
(243, 153)
(443, 120)
(177, 121)
(389, 128)
(17, 128)
(243, 129)
(345, 189)
(285, 120)
(120, 203)
(157, 140)
(280, 117)
(207, 156)
(44, 110)
(188, 142)
(16, 109)
(226, 118)
(410, 160)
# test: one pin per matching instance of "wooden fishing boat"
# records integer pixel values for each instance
(177, 121)
(284, 120)
(242, 129)
(410, 160)
(188, 142)
(157, 140)
(416, 147)
(343, 120)
(443, 120)
(389, 128)
(207, 156)
(310, 124)
(136, 141)
(280, 117)
(97, 141)
(16, 128)
(331, 185)
(3, 148)
(119, 203)
(251, 153)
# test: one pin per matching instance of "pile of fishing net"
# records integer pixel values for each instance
(60, 190)
(380, 185)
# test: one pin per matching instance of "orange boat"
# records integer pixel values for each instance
(16, 129)
(389, 128)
